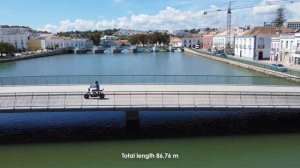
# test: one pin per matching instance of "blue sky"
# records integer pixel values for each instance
(66, 14)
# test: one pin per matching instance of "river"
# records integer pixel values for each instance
(98, 139)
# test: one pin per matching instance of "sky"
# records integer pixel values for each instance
(69, 15)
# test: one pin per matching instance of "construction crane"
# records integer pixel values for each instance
(230, 8)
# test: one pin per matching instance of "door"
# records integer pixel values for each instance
(260, 55)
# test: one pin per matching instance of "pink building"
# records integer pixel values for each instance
(208, 40)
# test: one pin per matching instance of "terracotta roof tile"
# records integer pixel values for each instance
(270, 31)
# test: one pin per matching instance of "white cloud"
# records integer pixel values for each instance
(174, 19)
(266, 7)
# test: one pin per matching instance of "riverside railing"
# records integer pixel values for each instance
(149, 100)
(143, 79)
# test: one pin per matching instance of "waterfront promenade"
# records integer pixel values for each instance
(252, 65)
(33, 55)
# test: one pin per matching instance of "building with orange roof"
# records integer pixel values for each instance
(256, 43)
(193, 41)
(220, 39)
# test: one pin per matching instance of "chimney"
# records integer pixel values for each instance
(278, 31)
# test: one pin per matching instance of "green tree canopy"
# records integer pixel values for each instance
(6, 48)
(92, 35)
(280, 17)
(154, 38)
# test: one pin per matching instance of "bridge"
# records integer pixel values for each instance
(135, 97)
(150, 97)
(136, 49)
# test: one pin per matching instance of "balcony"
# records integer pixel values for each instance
(261, 46)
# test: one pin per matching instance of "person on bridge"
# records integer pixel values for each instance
(97, 86)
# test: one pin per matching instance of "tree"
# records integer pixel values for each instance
(143, 38)
(6, 48)
(134, 40)
(166, 38)
(154, 38)
(280, 18)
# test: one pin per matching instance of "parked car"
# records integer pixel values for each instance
(219, 53)
(279, 67)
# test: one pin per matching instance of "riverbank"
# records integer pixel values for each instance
(244, 65)
(35, 55)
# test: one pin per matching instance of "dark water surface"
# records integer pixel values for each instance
(201, 139)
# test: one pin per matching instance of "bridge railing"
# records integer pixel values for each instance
(148, 100)
(143, 79)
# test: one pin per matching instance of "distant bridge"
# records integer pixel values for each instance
(136, 49)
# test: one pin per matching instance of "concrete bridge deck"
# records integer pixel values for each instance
(150, 97)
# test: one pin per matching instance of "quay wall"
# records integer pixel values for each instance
(38, 55)
(243, 65)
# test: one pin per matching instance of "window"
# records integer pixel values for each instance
(287, 44)
(261, 42)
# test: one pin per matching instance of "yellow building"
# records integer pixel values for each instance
(34, 45)
(175, 41)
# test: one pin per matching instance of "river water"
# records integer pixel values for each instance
(98, 139)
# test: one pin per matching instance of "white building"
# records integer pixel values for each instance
(108, 41)
(180, 33)
(296, 54)
(60, 42)
(220, 39)
(256, 43)
(293, 25)
(275, 49)
(11, 30)
(128, 32)
(288, 50)
(15, 35)
(192, 40)
(19, 41)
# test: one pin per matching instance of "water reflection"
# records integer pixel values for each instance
(85, 126)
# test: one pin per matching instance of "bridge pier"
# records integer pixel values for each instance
(171, 50)
(99, 51)
(132, 119)
(134, 50)
(114, 51)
